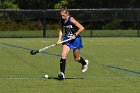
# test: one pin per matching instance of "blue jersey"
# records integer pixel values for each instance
(70, 29)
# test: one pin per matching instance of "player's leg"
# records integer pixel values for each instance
(80, 60)
(65, 51)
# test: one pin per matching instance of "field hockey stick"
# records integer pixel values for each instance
(33, 52)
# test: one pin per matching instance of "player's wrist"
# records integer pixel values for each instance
(75, 34)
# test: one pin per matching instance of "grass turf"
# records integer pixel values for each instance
(86, 33)
(21, 72)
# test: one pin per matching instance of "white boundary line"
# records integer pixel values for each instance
(21, 78)
(103, 77)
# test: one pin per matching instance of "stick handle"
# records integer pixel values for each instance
(40, 50)
(64, 41)
(33, 52)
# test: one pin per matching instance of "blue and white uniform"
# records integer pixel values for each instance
(70, 30)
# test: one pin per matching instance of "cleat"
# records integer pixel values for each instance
(85, 67)
(61, 76)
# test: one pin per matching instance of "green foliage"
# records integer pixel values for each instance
(52, 26)
(112, 25)
(9, 4)
(62, 2)
(10, 25)
(39, 4)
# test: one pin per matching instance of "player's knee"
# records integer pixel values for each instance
(64, 56)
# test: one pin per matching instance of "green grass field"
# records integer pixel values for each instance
(113, 68)
(86, 33)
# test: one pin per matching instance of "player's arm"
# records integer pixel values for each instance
(76, 23)
(60, 34)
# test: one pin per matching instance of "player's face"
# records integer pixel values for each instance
(64, 15)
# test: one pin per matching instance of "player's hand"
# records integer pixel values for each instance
(58, 41)
(73, 37)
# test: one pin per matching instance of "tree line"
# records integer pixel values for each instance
(51, 4)
(73, 4)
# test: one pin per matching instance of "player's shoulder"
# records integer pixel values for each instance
(73, 20)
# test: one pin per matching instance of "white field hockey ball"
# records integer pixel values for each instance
(46, 76)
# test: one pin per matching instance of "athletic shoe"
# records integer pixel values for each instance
(61, 76)
(85, 67)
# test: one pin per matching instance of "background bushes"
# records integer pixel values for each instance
(11, 25)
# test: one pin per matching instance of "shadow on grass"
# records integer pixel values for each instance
(67, 78)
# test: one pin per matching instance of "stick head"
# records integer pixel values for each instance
(33, 52)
